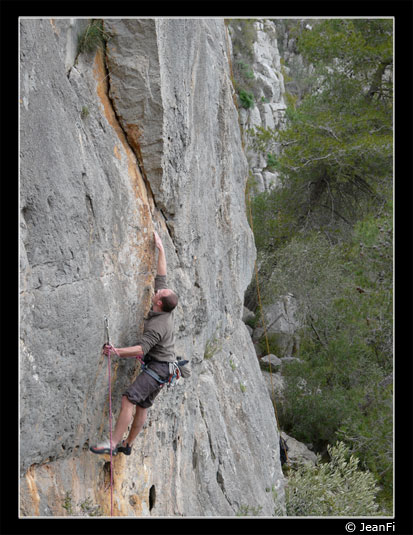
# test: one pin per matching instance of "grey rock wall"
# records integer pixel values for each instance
(140, 137)
(269, 107)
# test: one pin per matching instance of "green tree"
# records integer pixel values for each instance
(342, 385)
(326, 236)
(336, 488)
(336, 157)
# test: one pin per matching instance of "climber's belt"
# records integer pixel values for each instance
(175, 372)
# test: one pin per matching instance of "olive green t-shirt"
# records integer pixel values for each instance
(158, 340)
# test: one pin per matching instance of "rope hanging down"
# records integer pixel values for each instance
(110, 413)
(111, 348)
(265, 330)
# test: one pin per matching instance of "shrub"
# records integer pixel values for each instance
(369, 433)
(272, 162)
(246, 510)
(93, 37)
(276, 344)
(85, 508)
(85, 112)
(246, 98)
(244, 35)
(212, 346)
(336, 488)
(246, 70)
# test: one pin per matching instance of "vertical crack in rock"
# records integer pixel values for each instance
(219, 476)
(104, 83)
(195, 455)
(213, 456)
(132, 135)
(220, 481)
(133, 146)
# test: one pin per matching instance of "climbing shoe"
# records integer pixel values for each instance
(125, 449)
(103, 447)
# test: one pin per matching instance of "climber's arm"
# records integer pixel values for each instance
(161, 268)
(130, 351)
(146, 341)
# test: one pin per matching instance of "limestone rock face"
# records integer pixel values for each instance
(141, 135)
(269, 109)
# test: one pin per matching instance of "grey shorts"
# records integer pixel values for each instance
(145, 388)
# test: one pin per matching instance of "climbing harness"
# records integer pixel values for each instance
(282, 441)
(174, 374)
(176, 371)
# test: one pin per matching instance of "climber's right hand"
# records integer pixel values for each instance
(107, 349)
(158, 241)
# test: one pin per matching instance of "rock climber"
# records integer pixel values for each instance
(157, 346)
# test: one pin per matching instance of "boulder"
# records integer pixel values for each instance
(298, 452)
(275, 385)
(247, 315)
(271, 359)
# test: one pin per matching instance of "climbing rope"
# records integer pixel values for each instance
(111, 349)
(110, 434)
(110, 413)
(265, 329)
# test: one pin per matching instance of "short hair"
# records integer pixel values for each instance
(169, 302)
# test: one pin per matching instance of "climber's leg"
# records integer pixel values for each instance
(137, 424)
(125, 416)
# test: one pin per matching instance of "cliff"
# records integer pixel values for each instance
(140, 135)
(263, 61)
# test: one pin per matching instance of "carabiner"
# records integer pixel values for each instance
(107, 331)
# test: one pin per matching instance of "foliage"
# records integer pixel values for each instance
(336, 488)
(272, 162)
(337, 148)
(325, 236)
(212, 346)
(93, 37)
(243, 36)
(85, 112)
(85, 508)
(325, 390)
(345, 306)
(309, 268)
(246, 70)
(369, 432)
(246, 510)
(67, 504)
(358, 48)
(246, 98)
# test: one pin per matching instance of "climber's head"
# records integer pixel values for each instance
(164, 300)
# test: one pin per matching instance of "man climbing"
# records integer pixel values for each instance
(157, 344)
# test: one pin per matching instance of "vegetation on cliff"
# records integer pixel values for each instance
(326, 236)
